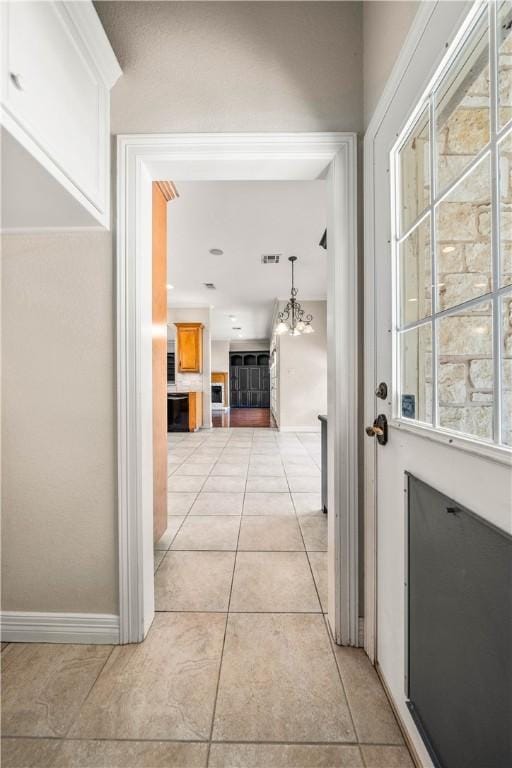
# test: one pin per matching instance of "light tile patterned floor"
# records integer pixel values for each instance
(238, 669)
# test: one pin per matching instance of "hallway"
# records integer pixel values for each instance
(238, 668)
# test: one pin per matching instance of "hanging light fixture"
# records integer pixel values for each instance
(293, 319)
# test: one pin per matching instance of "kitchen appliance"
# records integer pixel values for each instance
(177, 412)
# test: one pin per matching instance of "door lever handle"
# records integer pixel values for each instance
(379, 429)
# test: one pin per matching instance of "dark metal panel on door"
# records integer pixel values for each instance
(459, 602)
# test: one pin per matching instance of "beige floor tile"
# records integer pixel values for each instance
(300, 469)
(273, 581)
(268, 504)
(4, 646)
(208, 532)
(267, 484)
(308, 504)
(173, 525)
(163, 688)
(279, 682)
(387, 757)
(299, 484)
(270, 534)
(235, 454)
(184, 483)
(193, 468)
(218, 504)
(194, 581)
(179, 503)
(284, 756)
(158, 556)
(373, 718)
(225, 484)
(318, 562)
(266, 470)
(314, 531)
(29, 753)
(44, 685)
(130, 754)
(230, 469)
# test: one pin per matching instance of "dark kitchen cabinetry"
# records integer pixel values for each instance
(250, 380)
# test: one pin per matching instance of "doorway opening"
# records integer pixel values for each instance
(308, 157)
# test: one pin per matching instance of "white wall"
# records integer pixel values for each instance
(302, 372)
(250, 345)
(220, 356)
(190, 66)
(255, 66)
(58, 427)
(385, 27)
(196, 382)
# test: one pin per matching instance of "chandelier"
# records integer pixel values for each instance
(293, 319)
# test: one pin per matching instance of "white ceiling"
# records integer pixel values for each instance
(245, 220)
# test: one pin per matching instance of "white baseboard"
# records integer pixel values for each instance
(299, 429)
(33, 627)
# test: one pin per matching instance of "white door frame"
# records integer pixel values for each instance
(142, 159)
(430, 18)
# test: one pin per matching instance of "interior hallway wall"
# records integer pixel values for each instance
(385, 27)
(58, 428)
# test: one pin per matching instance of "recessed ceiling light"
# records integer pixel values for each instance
(170, 287)
(216, 251)
(232, 318)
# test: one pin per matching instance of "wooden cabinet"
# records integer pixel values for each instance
(59, 68)
(189, 345)
(249, 378)
(195, 411)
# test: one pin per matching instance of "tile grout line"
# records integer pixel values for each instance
(224, 637)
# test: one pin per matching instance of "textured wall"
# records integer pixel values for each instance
(58, 425)
(243, 66)
(385, 27)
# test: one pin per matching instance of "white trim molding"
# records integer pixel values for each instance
(250, 157)
(32, 627)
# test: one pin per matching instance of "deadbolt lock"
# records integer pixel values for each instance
(382, 390)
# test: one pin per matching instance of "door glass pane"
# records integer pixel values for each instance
(416, 274)
(416, 373)
(463, 108)
(506, 370)
(505, 166)
(414, 169)
(465, 371)
(463, 234)
(504, 63)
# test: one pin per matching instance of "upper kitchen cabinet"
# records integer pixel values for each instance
(57, 71)
(189, 343)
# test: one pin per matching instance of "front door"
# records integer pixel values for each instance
(442, 297)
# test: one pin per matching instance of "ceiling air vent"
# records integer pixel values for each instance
(236, 328)
(210, 286)
(270, 258)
